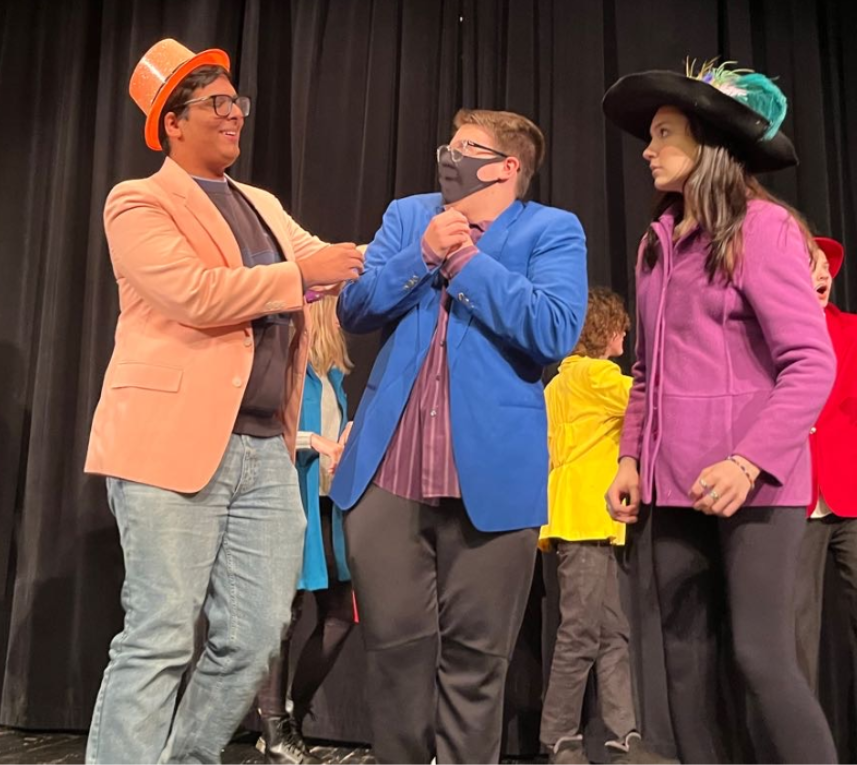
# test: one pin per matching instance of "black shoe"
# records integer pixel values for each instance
(283, 743)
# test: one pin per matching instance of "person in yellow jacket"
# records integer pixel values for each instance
(586, 404)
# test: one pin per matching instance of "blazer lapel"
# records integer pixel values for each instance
(427, 316)
(491, 243)
(178, 182)
(494, 239)
(428, 306)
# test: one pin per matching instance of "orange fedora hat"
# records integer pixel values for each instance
(158, 73)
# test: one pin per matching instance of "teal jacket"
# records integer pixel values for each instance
(314, 573)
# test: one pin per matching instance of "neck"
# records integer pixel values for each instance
(197, 168)
(688, 212)
(687, 220)
(486, 204)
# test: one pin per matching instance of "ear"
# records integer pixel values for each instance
(172, 126)
(510, 168)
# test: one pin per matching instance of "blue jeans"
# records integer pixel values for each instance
(234, 550)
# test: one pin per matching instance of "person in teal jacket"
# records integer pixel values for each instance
(323, 430)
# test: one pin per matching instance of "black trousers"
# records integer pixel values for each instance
(740, 569)
(440, 606)
(334, 620)
(839, 536)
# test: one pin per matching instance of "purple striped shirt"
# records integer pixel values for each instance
(419, 464)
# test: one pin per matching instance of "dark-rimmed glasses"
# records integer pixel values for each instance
(222, 104)
(457, 153)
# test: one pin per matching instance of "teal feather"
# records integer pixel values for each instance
(752, 89)
(763, 96)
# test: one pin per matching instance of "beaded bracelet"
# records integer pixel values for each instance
(744, 470)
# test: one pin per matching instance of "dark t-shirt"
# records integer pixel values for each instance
(263, 396)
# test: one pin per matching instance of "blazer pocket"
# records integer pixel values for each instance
(133, 374)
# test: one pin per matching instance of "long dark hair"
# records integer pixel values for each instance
(717, 191)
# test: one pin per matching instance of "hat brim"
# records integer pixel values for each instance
(834, 252)
(211, 57)
(632, 101)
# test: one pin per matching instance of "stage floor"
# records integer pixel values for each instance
(28, 748)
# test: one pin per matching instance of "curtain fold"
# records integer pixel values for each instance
(350, 99)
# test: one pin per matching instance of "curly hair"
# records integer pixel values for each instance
(606, 317)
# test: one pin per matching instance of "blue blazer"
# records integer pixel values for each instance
(314, 572)
(517, 306)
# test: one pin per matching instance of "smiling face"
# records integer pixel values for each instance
(821, 278)
(202, 142)
(673, 150)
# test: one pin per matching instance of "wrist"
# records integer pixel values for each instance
(305, 282)
(432, 256)
(747, 468)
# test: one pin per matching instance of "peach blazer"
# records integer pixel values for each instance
(184, 343)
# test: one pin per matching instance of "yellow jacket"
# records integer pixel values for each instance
(586, 405)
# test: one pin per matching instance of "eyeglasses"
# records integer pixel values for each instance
(463, 150)
(222, 104)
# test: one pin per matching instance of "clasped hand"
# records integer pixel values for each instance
(447, 232)
(721, 489)
(333, 264)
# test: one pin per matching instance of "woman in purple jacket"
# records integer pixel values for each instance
(733, 366)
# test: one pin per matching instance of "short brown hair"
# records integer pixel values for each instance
(606, 317)
(184, 91)
(515, 135)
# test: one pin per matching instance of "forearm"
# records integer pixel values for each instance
(541, 319)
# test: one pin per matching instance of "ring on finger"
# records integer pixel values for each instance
(703, 484)
(714, 495)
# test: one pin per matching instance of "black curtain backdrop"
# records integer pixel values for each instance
(350, 99)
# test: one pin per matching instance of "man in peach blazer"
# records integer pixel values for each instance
(195, 429)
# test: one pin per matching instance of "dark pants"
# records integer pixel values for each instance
(593, 633)
(440, 606)
(334, 619)
(839, 535)
(742, 569)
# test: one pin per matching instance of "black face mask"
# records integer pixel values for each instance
(460, 179)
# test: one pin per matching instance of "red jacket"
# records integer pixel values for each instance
(833, 440)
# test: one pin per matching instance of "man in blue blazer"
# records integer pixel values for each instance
(444, 474)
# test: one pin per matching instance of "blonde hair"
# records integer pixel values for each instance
(328, 347)
(515, 135)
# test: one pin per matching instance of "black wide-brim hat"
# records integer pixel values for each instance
(632, 101)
